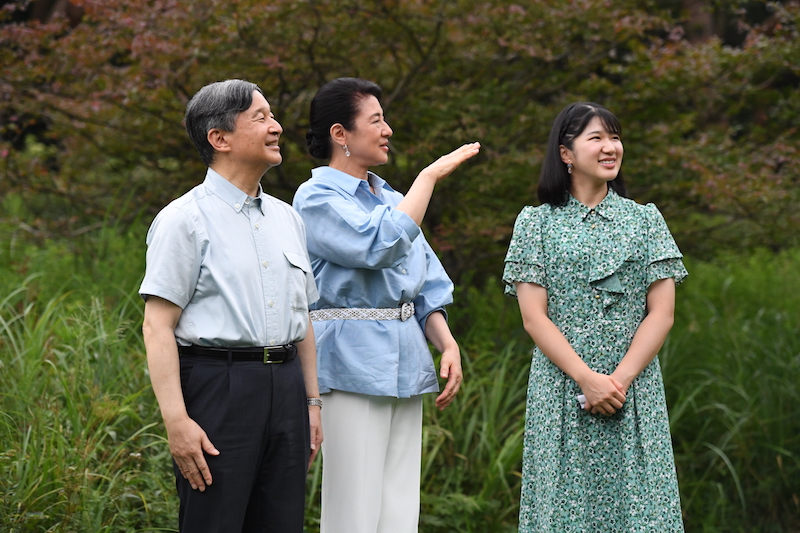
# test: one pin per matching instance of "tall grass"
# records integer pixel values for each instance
(79, 450)
(732, 372)
(472, 450)
(82, 447)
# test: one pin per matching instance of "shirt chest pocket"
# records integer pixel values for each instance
(298, 271)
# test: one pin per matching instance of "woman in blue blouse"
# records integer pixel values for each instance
(382, 297)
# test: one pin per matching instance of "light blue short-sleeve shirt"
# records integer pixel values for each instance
(237, 265)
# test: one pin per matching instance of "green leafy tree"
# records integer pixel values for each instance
(91, 105)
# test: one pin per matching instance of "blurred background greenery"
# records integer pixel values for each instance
(91, 146)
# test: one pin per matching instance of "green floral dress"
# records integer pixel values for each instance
(585, 473)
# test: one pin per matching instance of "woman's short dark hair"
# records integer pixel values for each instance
(216, 106)
(555, 181)
(336, 102)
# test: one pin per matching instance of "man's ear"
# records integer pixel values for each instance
(218, 140)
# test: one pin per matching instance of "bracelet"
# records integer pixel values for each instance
(314, 401)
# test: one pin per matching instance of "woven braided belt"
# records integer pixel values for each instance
(404, 312)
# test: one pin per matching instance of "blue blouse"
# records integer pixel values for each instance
(366, 254)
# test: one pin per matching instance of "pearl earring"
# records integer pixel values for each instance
(346, 151)
(569, 168)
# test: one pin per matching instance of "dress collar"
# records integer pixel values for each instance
(608, 208)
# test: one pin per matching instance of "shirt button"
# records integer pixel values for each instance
(247, 200)
(237, 206)
(271, 303)
(403, 271)
(265, 263)
(257, 226)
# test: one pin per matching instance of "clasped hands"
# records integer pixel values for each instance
(603, 394)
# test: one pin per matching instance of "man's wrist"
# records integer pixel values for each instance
(314, 402)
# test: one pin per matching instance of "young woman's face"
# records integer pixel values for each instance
(596, 153)
(368, 141)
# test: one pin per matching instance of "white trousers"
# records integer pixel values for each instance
(370, 463)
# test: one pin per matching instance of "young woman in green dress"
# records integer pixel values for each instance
(595, 276)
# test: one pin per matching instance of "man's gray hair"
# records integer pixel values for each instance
(216, 106)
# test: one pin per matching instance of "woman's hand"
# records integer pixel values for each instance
(450, 369)
(604, 394)
(438, 333)
(416, 201)
(445, 165)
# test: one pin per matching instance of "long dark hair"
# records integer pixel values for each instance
(336, 103)
(555, 181)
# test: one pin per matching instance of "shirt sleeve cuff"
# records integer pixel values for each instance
(407, 223)
(424, 320)
(161, 292)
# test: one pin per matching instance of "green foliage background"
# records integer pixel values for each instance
(91, 146)
(91, 109)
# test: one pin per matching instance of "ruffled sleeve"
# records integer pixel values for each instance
(525, 261)
(663, 256)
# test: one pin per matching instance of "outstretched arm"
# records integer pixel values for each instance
(603, 393)
(187, 440)
(416, 201)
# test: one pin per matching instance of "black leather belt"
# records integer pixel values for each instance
(265, 354)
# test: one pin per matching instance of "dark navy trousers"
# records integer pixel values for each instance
(256, 415)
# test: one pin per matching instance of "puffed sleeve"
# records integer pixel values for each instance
(663, 256)
(341, 232)
(174, 256)
(437, 292)
(524, 261)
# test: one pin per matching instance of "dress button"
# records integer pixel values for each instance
(597, 296)
(592, 226)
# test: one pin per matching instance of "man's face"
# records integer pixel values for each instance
(255, 139)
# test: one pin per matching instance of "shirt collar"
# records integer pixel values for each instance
(607, 208)
(230, 193)
(349, 183)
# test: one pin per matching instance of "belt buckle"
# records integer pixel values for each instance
(406, 311)
(267, 360)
